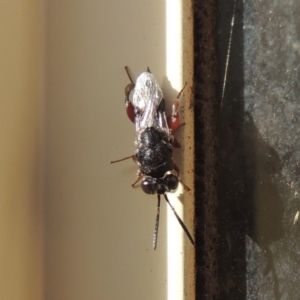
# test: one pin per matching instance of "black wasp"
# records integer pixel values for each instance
(154, 141)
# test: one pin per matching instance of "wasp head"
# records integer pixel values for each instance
(159, 186)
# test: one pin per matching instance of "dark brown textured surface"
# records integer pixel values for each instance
(247, 230)
(205, 91)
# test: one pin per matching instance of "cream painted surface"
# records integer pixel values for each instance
(98, 228)
(21, 155)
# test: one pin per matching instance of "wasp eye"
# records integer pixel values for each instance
(171, 181)
(149, 185)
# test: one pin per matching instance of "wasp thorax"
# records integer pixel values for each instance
(159, 185)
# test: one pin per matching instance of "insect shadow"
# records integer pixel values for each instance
(251, 204)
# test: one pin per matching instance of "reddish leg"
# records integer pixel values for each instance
(174, 119)
(139, 174)
(186, 188)
(128, 105)
(139, 177)
(176, 143)
(180, 125)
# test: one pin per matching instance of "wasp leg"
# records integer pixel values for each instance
(139, 177)
(186, 188)
(178, 175)
(128, 73)
(128, 89)
(176, 143)
(131, 156)
(180, 125)
(174, 119)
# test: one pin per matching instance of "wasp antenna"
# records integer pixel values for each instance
(155, 235)
(180, 221)
(127, 71)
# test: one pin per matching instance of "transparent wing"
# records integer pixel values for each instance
(146, 99)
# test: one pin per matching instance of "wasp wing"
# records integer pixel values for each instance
(147, 100)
